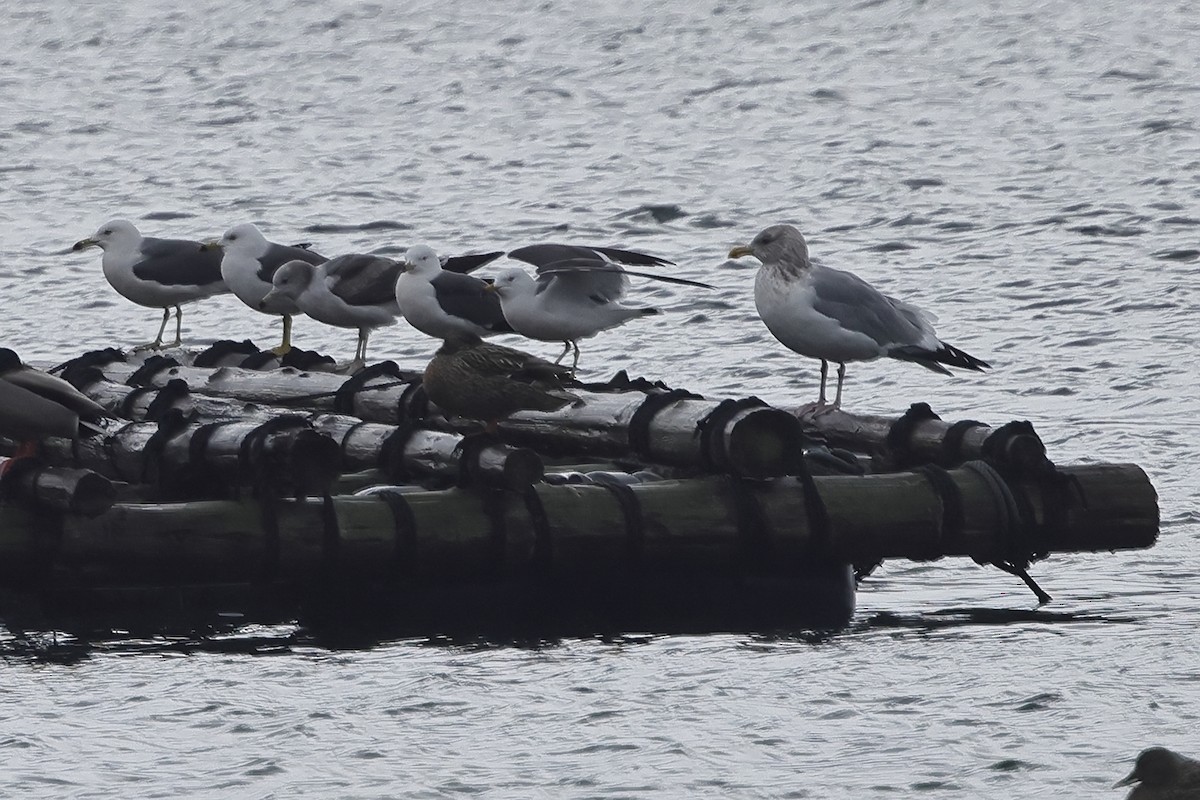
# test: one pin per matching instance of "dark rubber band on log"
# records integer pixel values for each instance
(468, 449)
(711, 430)
(899, 436)
(80, 375)
(265, 480)
(405, 530)
(391, 452)
(92, 358)
(997, 448)
(343, 398)
(814, 510)
(754, 531)
(543, 544)
(1016, 554)
(331, 535)
(413, 404)
(175, 389)
(144, 375)
(952, 441)
(257, 361)
(631, 511)
(170, 424)
(494, 502)
(219, 350)
(953, 518)
(198, 443)
(110, 443)
(639, 423)
(125, 407)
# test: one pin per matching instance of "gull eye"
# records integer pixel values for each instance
(232, 236)
(106, 232)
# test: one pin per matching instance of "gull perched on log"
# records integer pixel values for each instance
(577, 292)
(832, 315)
(349, 291)
(249, 262)
(34, 404)
(157, 273)
(471, 378)
(1161, 774)
(443, 303)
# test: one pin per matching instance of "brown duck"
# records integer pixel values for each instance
(1161, 774)
(471, 378)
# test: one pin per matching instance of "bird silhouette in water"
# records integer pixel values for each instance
(474, 379)
(1161, 774)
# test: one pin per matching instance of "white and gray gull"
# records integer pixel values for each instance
(157, 273)
(577, 292)
(351, 291)
(249, 261)
(832, 315)
(445, 304)
(34, 404)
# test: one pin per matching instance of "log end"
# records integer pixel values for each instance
(760, 443)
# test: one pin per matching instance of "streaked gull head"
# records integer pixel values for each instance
(783, 245)
(289, 281)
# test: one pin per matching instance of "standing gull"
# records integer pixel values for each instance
(1161, 774)
(158, 273)
(351, 291)
(471, 378)
(249, 262)
(832, 315)
(445, 304)
(577, 292)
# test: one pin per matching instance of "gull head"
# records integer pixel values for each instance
(289, 282)
(422, 260)
(778, 244)
(244, 238)
(511, 283)
(116, 234)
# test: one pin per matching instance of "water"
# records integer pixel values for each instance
(1027, 170)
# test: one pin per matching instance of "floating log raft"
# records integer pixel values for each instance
(664, 503)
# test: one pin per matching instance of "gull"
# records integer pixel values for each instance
(577, 292)
(1161, 774)
(832, 315)
(474, 379)
(157, 273)
(248, 263)
(349, 291)
(444, 304)
(34, 404)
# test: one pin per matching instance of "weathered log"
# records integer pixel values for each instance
(715, 524)
(284, 452)
(63, 489)
(920, 438)
(746, 438)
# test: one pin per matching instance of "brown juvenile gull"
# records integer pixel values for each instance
(1161, 774)
(471, 378)
(158, 273)
(833, 315)
(577, 292)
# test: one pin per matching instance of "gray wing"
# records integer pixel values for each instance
(363, 280)
(279, 254)
(464, 296)
(860, 307)
(544, 255)
(469, 263)
(178, 262)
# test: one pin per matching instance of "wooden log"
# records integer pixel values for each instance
(709, 525)
(285, 452)
(929, 440)
(678, 429)
(62, 489)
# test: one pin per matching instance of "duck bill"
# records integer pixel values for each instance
(741, 250)
(1131, 778)
(84, 244)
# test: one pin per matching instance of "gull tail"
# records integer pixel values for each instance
(934, 359)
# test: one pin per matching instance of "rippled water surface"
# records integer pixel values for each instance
(1028, 171)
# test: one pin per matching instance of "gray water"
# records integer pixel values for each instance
(1028, 171)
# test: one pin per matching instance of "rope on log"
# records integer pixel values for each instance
(591, 531)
